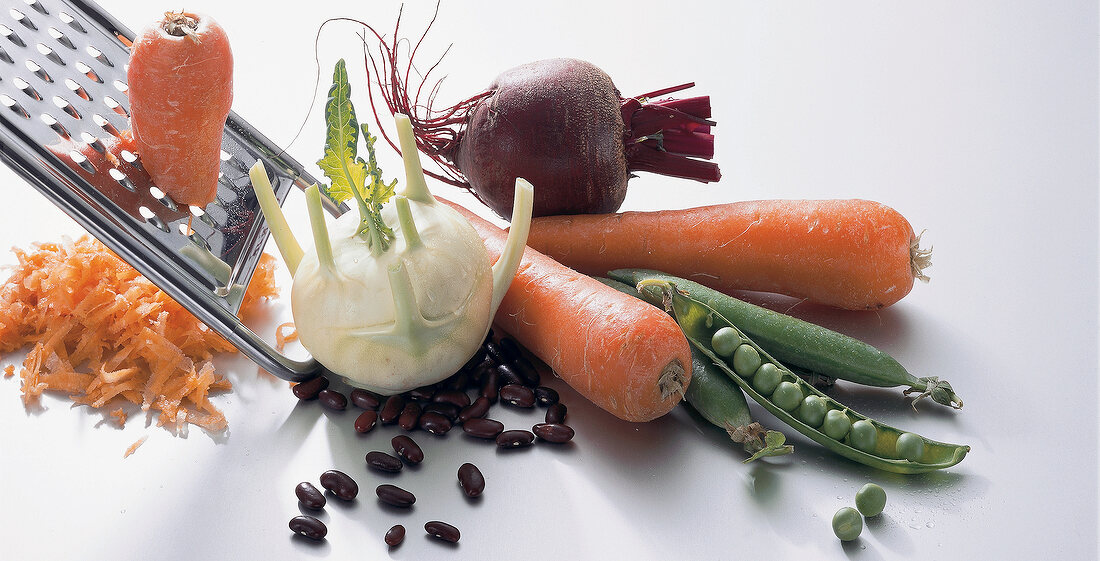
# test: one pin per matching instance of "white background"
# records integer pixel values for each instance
(976, 120)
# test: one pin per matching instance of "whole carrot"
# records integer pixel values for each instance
(181, 89)
(853, 254)
(624, 355)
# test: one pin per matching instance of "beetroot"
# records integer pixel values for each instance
(560, 124)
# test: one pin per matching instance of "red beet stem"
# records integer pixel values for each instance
(663, 136)
(645, 158)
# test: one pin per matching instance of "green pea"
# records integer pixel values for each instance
(870, 500)
(836, 424)
(863, 435)
(847, 524)
(746, 359)
(910, 447)
(787, 395)
(767, 377)
(725, 341)
(812, 410)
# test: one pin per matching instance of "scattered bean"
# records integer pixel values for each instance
(863, 435)
(442, 531)
(725, 341)
(309, 389)
(395, 535)
(477, 409)
(510, 348)
(471, 480)
(366, 420)
(871, 500)
(448, 410)
(847, 524)
(556, 413)
(309, 527)
(332, 399)
(527, 371)
(394, 495)
(483, 428)
(508, 375)
(310, 496)
(472, 364)
(490, 385)
(457, 398)
(340, 484)
(517, 395)
(515, 438)
(410, 416)
(910, 447)
(382, 461)
(435, 423)
(407, 448)
(364, 399)
(391, 410)
(545, 397)
(495, 352)
(553, 432)
(424, 393)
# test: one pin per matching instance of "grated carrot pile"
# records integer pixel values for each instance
(99, 331)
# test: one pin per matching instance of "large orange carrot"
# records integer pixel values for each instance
(852, 254)
(626, 356)
(181, 88)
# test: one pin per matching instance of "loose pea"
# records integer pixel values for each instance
(910, 447)
(836, 424)
(812, 410)
(725, 341)
(847, 524)
(864, 435)
(870, 500)
(787, 395)
(766, 379)
(746, 359)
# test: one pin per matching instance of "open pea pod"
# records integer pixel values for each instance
(767, 381)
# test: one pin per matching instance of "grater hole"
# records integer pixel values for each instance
(122, 179)
(77, 89)
(163, 198)
(152, 218)
(61, 38)
(94, 142)
(23, 19)
(66, 18)
(26, 88)
(50, 54)
(98, 55)
(106, 125)
(87, 71)
(114, 105)
(37, 6)
(65, 106)
(12, 35)
(81, 161)
(38, 70)
(56, 126)
(120, 86)
(4, 56)
(14, 106)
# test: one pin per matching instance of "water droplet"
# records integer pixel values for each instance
(931, 524)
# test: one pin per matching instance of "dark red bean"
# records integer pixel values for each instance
(382, 461)
(479, 408)
(527, 371)
(458, 382)
(309, 389)
(309, 527)
(494, 351)
(510, 348)
(407, 448)
(515, 439)
(310, 496)
(364, 399)
(391, 410)
(394, 495)
(479, 355)
(366, 420)
(508, 375)
(454, 397)
(490, 385)
(435, 423)
(553, 432)
(332, 399)
(340, 484)
(442, 531)
(395, 535)
(517, 395)
(410, 416)
(471, 480)
(448, 410)
(423, 393)
(556, 413)
(545, 397)
(483, 428)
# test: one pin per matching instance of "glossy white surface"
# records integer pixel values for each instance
(977, 120)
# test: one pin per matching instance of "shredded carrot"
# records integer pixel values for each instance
(284, 334)
(120, 416)
(9, 371)
(133, 447)
(99, 331)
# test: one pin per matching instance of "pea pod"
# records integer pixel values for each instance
(878, 442)
(803, 344)
(718, 400)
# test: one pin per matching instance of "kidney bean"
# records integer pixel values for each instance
(332, 399)
(457, 382)
(479, 408)
(395, 535)
(382, 461)
(545, 397)
(366, 420)
(394, 495)
(457, 398)
(309, 389)
(364, 399)
(442, 531)
(510, 348)
(490, 385)
(556, 413)
(515, 439)
(494, 351)
(517, 395)
(340, 484)
(471, 480)
(407, 448)
(508, 375)
(527, 371)
(472, 364)
(448, 410)
(310, 497)
(553, 432)
(410, 416)
(483, 428)
(391, 409)
(435, 423)
(423, 393)
(309, 527)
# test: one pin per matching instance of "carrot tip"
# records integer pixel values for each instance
(919, 258)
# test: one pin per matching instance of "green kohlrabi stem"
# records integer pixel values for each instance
(320, 229)
(408, 226)
(276, 220)
(504, 270)
(416, 188)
